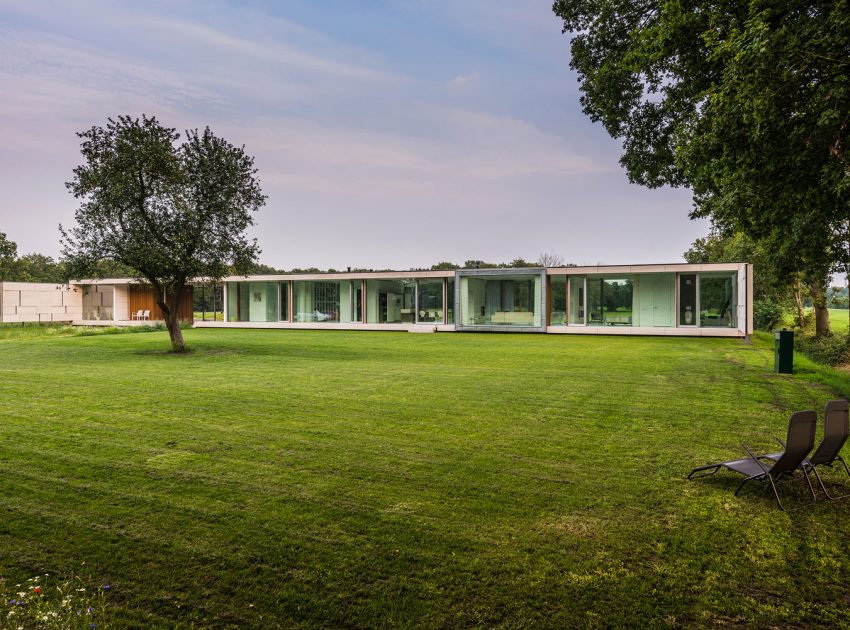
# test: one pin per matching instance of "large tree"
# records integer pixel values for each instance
(747, 102)
(171, 212)
(8, 253)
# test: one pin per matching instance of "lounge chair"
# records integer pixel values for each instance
(801, 439)
(836, 430)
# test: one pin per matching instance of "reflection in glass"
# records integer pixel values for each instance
(208, 302)
(558, 300)
(430, 301)
(610, 301)
(717, 301)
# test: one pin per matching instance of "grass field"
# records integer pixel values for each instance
(303, 479)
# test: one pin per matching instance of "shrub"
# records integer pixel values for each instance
(766, 314)
(831, 350)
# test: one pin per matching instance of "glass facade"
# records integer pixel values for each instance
(391, 301)
(500, 300)
(717, 300)
(557, 300)
(430, 305)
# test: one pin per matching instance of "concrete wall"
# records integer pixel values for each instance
(39, 302)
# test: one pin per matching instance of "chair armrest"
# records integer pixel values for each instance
(781, 443)
(755, 459)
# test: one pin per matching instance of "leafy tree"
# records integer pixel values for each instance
(38, 268)
(8, 253)
(745, 102)
(168, 212)
(444, 266)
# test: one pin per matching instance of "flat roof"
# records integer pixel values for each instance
(449, 273)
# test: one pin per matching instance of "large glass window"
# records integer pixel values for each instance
(430, 301)
(321, 301)
(717, 300)
(687, 299)
(577, 300)
(391, 301)
(252, 301)
(610, 301)
(500, 300)
(558, 300)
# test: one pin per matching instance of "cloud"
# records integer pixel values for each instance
(464, 79)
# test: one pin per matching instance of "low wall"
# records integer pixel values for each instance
(39, 302)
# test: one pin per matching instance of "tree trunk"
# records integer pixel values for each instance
(798, 300)
(170, 306)
(818, 293)
(172, 322)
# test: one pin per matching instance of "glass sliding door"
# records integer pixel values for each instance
(577, 302)
(430, 301)
(717, 300)
(558, 300)
(687, 299)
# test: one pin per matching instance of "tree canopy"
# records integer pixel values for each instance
(747, 103)
(169, 212)
(8, 253)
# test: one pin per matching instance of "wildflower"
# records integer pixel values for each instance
(105, 587)
(89, 610)
(12, 602)
(37, 589)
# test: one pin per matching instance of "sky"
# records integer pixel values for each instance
(387, 134)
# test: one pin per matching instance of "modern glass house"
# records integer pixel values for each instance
(678, 299)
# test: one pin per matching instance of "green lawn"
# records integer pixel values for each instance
(305, 478)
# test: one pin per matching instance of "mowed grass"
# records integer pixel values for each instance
(354, 479)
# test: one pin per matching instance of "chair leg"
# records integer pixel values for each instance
(823, 486)
(715, 468)
(775, 493)
(741, 485)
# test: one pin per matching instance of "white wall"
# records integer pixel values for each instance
(39, 302)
